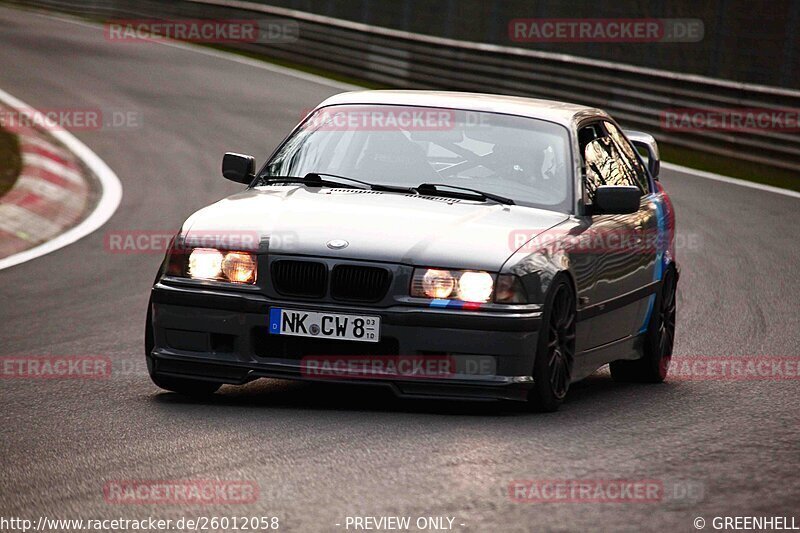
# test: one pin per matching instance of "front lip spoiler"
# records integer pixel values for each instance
(462, 387)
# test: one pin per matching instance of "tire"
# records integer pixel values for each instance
(194, 388)
(658, 341)
(555, 352)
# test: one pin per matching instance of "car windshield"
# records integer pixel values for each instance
(524, 159)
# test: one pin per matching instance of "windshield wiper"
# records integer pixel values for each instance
(312, 182)
(371, 186)
(314, 179)
(433, 188)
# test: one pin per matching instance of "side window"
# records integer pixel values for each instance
(591, 179)
(629, 155)
(605, 166)
(587, 134)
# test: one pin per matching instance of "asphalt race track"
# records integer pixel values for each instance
(321, 453)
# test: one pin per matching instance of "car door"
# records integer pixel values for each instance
(610, 255)
(650, 222)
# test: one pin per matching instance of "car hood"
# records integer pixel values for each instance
(378, 226)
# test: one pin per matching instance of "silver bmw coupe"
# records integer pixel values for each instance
(448, 245)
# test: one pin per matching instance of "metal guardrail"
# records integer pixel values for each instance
(635, 96)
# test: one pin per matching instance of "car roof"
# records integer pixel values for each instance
(563, 113)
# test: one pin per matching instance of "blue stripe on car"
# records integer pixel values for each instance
(441, 302)
(662, 242)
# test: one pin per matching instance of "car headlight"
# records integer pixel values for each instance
(475, 286)
(467, 286)
(205, 263)
(212, 264)
(438, 283)
(239, 267)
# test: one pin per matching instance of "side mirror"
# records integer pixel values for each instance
(647, 143)
(616, 199)
(238, 167)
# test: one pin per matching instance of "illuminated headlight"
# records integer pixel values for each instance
(475, 286)
(467, 286)
(205, 263)
(217, 265)
(438, 283)
(239, 267)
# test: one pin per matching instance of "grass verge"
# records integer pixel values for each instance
(734, 168)
(10, 160)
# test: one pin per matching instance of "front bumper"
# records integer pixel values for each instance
(223, 336)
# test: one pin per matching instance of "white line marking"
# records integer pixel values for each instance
(110, 196)
(729, 180)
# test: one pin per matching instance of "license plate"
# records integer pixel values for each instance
(324, 325)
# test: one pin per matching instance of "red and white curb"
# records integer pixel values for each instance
(49, 197)
(49, 205)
